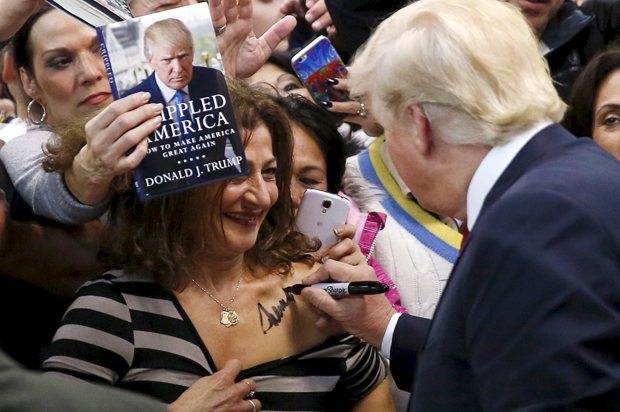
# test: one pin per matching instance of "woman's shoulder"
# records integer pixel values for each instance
(27, 145)
(120, 282)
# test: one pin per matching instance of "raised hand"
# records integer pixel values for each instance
(14, 14)
(356, 112)
(242, 52)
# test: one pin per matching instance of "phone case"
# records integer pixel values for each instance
(317, 62)
(317, 220)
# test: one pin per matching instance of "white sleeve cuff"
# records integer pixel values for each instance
(386, 344)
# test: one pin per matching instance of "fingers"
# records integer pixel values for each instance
(293, 7)
(230, 370)
(339, 272)
(253, 405)
(346, 251)
(350, 107)
(230, 10)
(118, 107)
(125, 132)
(318, 16)
(321, 275)
(322, 301)
(245, 9)
(339, 83)
(131, 161)
(218, 18)
(139, 123)
(346, 231)
(276, 33)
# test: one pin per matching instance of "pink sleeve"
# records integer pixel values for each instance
(375, 221)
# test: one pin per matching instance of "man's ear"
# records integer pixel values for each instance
(423, 136)
(30, 84)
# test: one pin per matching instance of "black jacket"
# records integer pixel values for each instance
(575, 35)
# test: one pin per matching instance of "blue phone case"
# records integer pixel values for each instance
(315, 65)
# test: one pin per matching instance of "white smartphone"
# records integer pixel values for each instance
(319, 213)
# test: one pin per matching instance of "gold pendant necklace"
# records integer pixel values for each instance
(228, 317)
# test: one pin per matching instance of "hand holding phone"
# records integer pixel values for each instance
(319, 213)
(316, 63)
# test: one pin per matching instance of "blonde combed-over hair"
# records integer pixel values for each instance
(168, 32)
(473, 65)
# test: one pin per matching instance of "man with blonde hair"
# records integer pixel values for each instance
(530, 318)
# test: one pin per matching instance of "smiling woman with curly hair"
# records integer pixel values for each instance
(201, 282)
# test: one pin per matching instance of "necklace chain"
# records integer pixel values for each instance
(214, 298)
(228, 317)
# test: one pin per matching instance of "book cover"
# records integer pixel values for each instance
(94, 13)
(173, 55)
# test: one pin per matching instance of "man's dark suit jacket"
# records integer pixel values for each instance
(530, 318)
(205, 81)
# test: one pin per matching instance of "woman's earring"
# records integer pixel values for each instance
(37, 122)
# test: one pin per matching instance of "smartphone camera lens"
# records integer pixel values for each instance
(327, 203)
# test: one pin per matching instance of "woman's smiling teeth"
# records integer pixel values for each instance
(244, 218)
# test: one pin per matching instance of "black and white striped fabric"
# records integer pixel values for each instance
(131, 333)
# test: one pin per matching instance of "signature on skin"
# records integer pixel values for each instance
(275, 318)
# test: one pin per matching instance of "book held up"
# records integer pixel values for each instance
(173, 55)
(94, 13)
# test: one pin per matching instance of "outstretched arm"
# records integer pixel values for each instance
(242, 52)
(14, 14)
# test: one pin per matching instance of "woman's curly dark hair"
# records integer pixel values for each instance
(164, 236)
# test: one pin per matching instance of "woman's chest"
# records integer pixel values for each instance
(265, 329)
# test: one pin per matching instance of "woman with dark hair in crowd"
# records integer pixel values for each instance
(200, 286)
(319, 163)
(61, 68)
(594, 105)
(319, 153)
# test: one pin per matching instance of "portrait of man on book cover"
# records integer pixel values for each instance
(198, 140)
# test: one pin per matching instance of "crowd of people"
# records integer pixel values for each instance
(479, 152)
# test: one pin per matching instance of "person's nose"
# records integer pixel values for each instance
(258, 192)
(92, 68)
(176, 66)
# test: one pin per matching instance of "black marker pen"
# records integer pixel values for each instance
(342, 289)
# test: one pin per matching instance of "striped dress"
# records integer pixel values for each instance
(132, 333)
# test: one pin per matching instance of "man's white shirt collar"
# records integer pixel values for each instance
(492, 167)
(166, 91)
